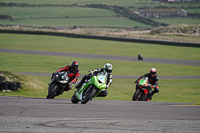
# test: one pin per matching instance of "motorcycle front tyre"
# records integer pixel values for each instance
(136, 95)
(89, 96)
(52, 91)
(74, 99)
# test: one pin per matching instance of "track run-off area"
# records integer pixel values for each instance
(40, 115)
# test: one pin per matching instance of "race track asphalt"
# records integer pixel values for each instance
(40, 115)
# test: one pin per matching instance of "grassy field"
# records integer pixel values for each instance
(56, 16)
(38, 16)
(192, 10)
(63, 44)
(177, 90)
(112, 22)
(177, 21)
(124, 3)
(35, 12)
(109, 2)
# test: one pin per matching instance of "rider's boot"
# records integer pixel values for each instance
(149, 97)
(77, 86)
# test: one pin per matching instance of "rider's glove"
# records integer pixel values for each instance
(149, 85)
(91, 73)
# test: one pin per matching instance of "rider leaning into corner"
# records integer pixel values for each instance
(153, 78)
(107, 69)
(73, 74)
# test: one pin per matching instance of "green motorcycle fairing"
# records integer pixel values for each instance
(99, 81)
(143, 81)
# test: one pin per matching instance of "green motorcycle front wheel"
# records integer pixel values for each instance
(88, 95)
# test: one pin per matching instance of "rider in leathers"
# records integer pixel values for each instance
(153, 78)
(73, 74)
(108, 69)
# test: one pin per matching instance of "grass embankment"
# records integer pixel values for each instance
(176, 90)
(30, 86)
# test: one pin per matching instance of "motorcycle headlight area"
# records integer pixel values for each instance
(99, 81)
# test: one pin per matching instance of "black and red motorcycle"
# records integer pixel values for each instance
(142, 90)
(58, 84)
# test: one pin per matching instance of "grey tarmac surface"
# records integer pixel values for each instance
(40, 115)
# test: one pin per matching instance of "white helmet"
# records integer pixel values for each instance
(108, 67)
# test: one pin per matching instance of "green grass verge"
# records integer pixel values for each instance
(64, 44)
(48, 64)
(122, 89)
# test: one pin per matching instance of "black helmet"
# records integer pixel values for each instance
(74, 66)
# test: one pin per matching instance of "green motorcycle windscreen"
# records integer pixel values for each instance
(100, 80)
(143, 81)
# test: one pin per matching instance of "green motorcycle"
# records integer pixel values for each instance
(90, 89)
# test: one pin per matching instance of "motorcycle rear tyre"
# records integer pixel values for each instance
(74, 99)
(52, 91)
(89, 96)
